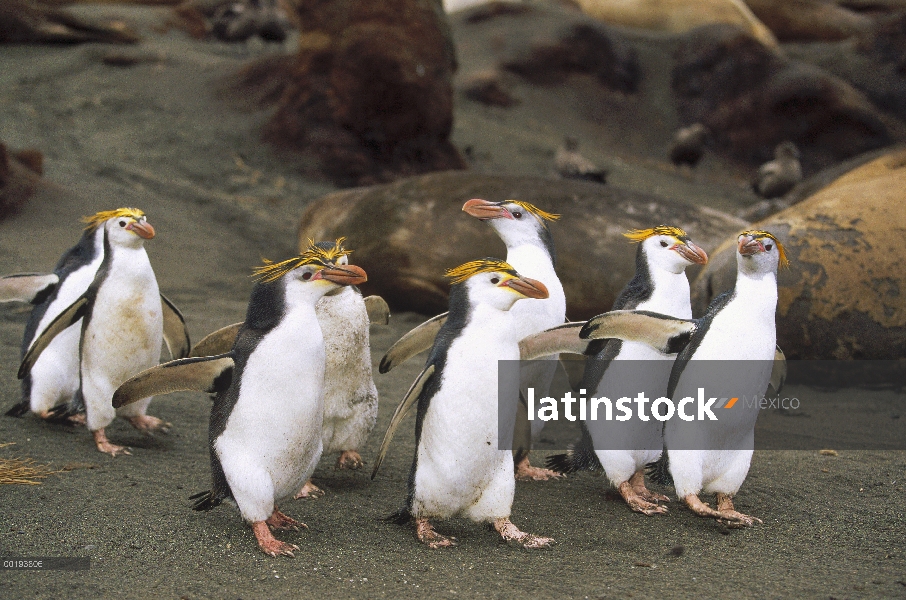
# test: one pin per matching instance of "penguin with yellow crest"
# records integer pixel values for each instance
(713, 452)
(266, 421)
(99, 318)
(458, 467)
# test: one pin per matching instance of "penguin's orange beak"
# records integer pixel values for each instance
(748, 245)
(142, 230)
(343, 275)
(484, 210)
(692, 253)
(530, 288)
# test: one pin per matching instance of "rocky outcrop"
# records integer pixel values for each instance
(20, 174)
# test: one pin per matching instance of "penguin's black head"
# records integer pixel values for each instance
(320, 264)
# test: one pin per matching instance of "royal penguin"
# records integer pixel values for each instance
(624, 448)
(266, 421)
(102, 321)
(530, 249)
(739, 326)
(458, 468)
(350, 395)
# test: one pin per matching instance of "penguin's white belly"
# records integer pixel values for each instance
(275, 425)
(125, 332)
(459, 468)
(350, 396)
(715, 455)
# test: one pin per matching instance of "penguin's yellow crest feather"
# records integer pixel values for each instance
(313, 255)
(640, 235)
(474, 267)
(758, 234)
(96, 219)
(541, 214)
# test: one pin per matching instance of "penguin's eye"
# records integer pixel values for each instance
(343, 261)
(768, 247)
(306, 275)
(517, 214)
(663, 244)
(122, 223)
(495, 280)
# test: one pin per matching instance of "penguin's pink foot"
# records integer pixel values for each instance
(637, 502)
(509, 532)
(525, 471)
(77, 419)
(637, 481)
(268, 543)
(726, 515)
(104, 445)
(732, 518)
(278, 520)
(309, 490)
(350, 459)
(148, 424)
(426, 534)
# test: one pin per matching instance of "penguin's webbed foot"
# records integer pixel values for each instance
(309, 490)
(730, 516)
(638, 502)
(148, 424)
(510, 533)
(278, 520)
(77, 419)
(426, 534)
(104, 445)
(526, 472)
(268, 543)
(725, 515)
(637, 481)
(350, 459)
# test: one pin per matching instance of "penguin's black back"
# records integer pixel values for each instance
(266, 309)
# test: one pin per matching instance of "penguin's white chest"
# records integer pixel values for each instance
(457, 459)
(125, 330)
(276, 421)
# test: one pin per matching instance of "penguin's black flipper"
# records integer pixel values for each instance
(663, 333)
(562, 338)
(405, 406)
(176, 334)
(19, 409)
(778, 372)
(27, 287)
(208, 374)
(219, 342)
(71, 315)
(659, 470)
(378, 310)
(578, 457)
(417, 340)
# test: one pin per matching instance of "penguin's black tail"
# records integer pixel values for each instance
(206, 500)
(19, 409)
(659, 470)
(400, 517)
(578, 457)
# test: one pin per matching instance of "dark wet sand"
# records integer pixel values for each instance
(833, 526)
